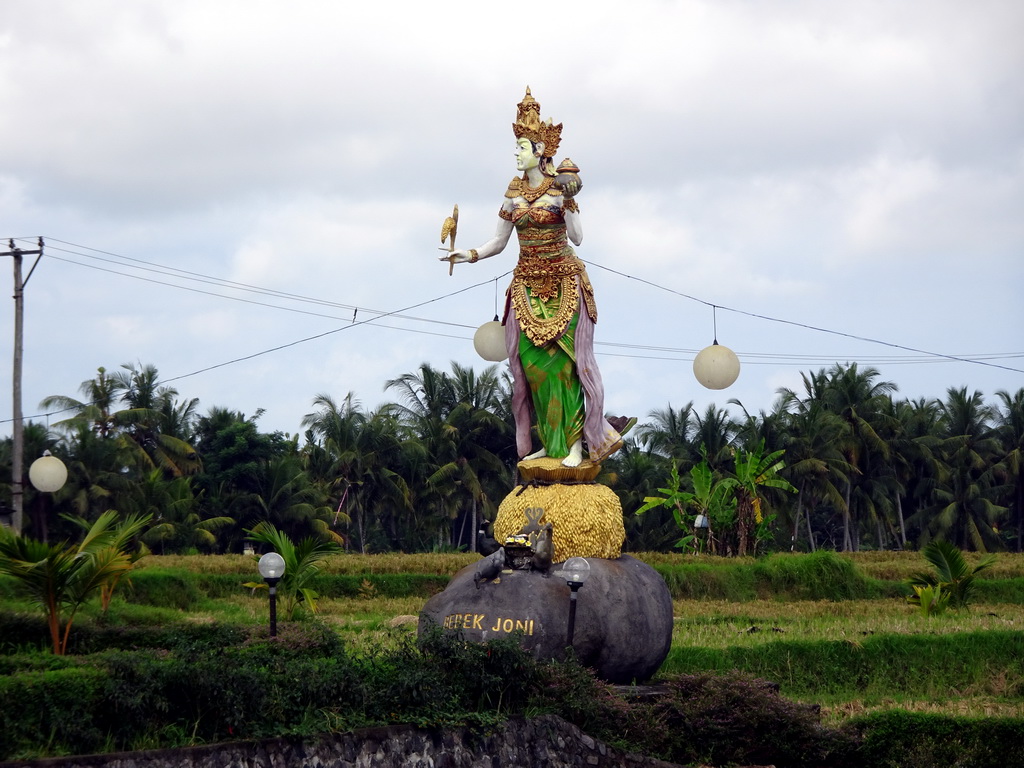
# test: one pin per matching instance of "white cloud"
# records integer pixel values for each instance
(882, 195)
(857, 167)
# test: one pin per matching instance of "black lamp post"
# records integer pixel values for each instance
(271, 568)
(576, 571)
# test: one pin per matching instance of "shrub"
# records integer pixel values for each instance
(931, 600)
(733, 718)
(913, 665)
(57, 710)
(820, 575)
(704, 718)
(917, 740)
(172, 588)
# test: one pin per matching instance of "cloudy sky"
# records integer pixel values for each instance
(260, 181)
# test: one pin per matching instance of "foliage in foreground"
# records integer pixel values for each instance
(203, 684)
(59, 578)
(953, 582)
(305, 683)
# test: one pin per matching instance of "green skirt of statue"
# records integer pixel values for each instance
(555, 387)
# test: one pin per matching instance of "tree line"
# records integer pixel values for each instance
(851, 467)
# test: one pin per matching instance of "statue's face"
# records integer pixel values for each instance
(525, 156)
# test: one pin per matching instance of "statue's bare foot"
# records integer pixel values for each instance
(538, 455)
(575, 456)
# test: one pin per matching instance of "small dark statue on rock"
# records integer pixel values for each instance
(489, 568)
(543, 550)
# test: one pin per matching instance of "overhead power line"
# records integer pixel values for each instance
(667, 353)
(781, 358)
(805, 326)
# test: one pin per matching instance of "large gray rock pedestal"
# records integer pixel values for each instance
(623, 615)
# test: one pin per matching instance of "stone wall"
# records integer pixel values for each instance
(540, 742)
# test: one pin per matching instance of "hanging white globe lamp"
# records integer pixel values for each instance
(489, 341)
(716, 367)
(48, 473)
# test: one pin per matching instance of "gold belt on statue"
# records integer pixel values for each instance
(533, 265)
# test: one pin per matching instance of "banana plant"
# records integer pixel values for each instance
(714, 499)
(755, 471)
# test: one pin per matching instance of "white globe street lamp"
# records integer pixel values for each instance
(271, 567)
(576, 571)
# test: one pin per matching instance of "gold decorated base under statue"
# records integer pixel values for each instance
(585, 517)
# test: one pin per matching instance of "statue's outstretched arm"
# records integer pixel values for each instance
(492, 247)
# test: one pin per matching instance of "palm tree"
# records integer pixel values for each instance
(1010, 432)
(671, 432)
(233, 452)
(910, 433)
(37, 440)
(288, 498)
(965, 511)
(155, 421)
(713, 437)
(457, 419)
(765, 430)
(154, 424)
(61, 577)
(817, 466)
(952, 574)
(471, 468)
(634, 473)
(177, 522)
(361, 460)
(423, 396)
(126, 530)
(97, 409)
(857, 400)
(97, 477)
(302, 561)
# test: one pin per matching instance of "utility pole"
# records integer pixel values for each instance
(18, 434)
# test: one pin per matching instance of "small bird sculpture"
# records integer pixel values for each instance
(486, 543)
(543, 550)
(489, 568)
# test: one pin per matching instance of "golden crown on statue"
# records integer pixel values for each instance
(528, 125)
